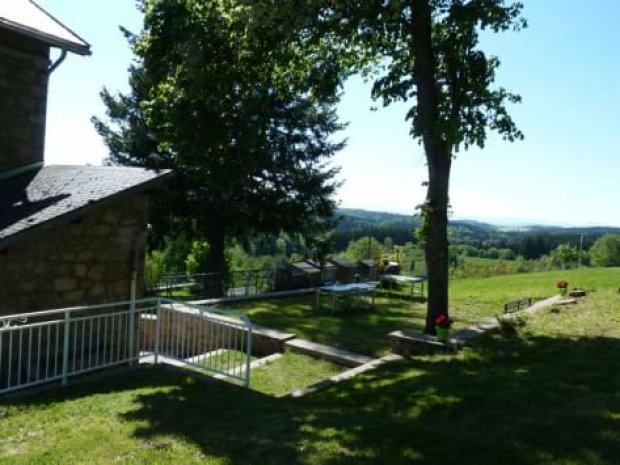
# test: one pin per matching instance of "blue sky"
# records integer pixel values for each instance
(565, 66)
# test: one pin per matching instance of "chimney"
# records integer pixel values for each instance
(24, 64)
(27, 32)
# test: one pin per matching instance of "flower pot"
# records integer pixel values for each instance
(443, 334)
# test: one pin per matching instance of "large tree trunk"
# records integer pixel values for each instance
(436, 252)
(439, 161)
(217, 267)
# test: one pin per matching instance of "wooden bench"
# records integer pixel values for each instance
(517, 305)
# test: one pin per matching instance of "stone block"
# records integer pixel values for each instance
(65, 284)
(76, 297)
(101, 230)
(27, 286)
(111, 216)
(85, 255)
(120, 288)
(81, 270)
(407, 343)
(42, 268)
(98, 290)
(96, 272)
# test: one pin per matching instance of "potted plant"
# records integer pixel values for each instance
(442, 326)
(562, 286)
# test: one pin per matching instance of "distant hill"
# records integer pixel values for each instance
(366, 221)
(356, 223)
(368, 218)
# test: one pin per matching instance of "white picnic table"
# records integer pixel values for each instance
(341, 290)
(413, 280)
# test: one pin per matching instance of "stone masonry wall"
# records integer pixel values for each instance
(23, 99)
(86, 262)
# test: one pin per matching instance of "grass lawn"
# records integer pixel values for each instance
(364, 329)
(548, 396)
(289, 372)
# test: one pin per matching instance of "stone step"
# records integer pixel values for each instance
(276, 334)
(345, 375)
(407, 343)
(339, 356)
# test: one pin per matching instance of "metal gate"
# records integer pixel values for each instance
(54, 345)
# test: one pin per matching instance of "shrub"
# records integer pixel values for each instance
(197, 258)
(606, 251)
(154, 267)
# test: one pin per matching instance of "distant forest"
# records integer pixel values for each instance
(530, 242)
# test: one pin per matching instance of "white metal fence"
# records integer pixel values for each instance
(47, 346)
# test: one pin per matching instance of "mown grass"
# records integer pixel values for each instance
(547, 396)
(290, 372)
(364, 329)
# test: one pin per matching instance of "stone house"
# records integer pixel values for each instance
(69, 235)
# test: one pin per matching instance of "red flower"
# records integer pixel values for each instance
(562, 284)
(443, 321)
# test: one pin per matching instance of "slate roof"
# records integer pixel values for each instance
(305, 267)
(327, 266)
(28, 18)
(341, 262)
(54, 195)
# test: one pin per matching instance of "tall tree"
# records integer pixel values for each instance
(223, 101)
(426, 52)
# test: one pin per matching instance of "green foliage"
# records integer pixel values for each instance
(606, 251)
(365, 248)
(222, 99)
(173, 258)
(564, 255)
(240, 260)
(506, 254)
(175, 252)
(427, 52)
(196, 261)
(154, 267)
(491, 253)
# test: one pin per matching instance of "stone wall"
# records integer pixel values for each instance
(197, 336)
(85, 262)
(23, 99)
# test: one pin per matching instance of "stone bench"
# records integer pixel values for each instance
(408, 343)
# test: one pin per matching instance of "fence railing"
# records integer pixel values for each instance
(54, 345)
(232, 284)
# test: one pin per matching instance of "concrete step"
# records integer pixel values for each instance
(408, 343)
(345, 375)
(339, 356)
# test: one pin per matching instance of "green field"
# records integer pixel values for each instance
(362, 328)
(545, 396)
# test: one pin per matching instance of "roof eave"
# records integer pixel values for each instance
(74, 47)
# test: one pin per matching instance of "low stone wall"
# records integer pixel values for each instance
(85, 262)
(190, 336)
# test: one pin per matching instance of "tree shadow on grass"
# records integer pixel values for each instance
(521, 402)
(359, 327)
(533, 401)
(224, 420)
(517, 401)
